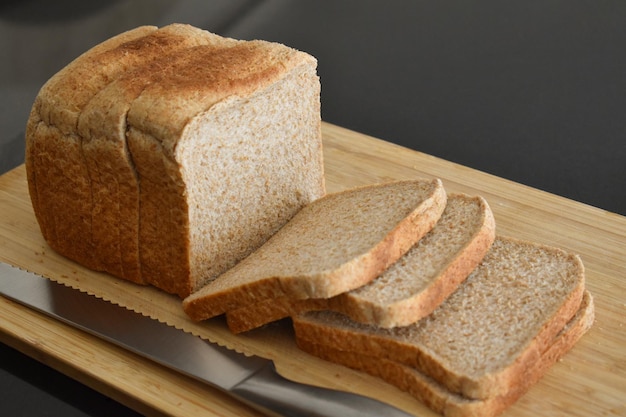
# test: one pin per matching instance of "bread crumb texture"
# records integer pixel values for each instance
(460, 221)
(501, 306)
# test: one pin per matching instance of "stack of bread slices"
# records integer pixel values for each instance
(412, 285)
(180, 159)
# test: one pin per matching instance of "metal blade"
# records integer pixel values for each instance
(250, 379)
(159, 342)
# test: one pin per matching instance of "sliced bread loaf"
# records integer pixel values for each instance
(333, 245)
(438, 397)
(410, 288)
(491, 329)
(199, 149)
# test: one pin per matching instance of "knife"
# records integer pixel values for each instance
(251, 379)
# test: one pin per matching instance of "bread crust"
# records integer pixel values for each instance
(58, 181)
(204, 75)
(450, 404)
(400, 312)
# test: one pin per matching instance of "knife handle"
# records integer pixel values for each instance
(267, 389)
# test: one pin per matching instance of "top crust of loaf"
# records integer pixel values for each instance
(64, 95)
(192, 81)
(333, 245)
(493, 327)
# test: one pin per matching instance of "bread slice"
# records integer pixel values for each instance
(102, 129)
(57, 176)
(202, 146)
(335, 244)
(409, 289)
(450, 404)
(491, 329)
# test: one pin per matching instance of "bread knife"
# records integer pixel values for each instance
(251, 379)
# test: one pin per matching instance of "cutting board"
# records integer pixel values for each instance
(589, 380)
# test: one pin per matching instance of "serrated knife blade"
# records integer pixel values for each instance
(251, 379)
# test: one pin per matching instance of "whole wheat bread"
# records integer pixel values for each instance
(492, 328)
(410, 288)
(216, 142)
(437, 396)
(335, 244)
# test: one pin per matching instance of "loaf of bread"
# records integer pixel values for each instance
(335, 244)
(409, 289)
(165, 156)
(483, 339)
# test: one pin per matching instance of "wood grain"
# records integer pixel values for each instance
(590, 380)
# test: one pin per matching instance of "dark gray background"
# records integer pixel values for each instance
(533, 91)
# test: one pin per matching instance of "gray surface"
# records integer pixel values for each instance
(533, 91)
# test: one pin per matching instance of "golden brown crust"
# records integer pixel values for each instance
(58, 184)
(259, 314)
(58, 174)
(63, 96)
(192, 81)
(58, 179)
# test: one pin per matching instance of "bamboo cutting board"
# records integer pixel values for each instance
(589, 380)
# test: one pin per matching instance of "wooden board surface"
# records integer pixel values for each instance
(590, 380)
